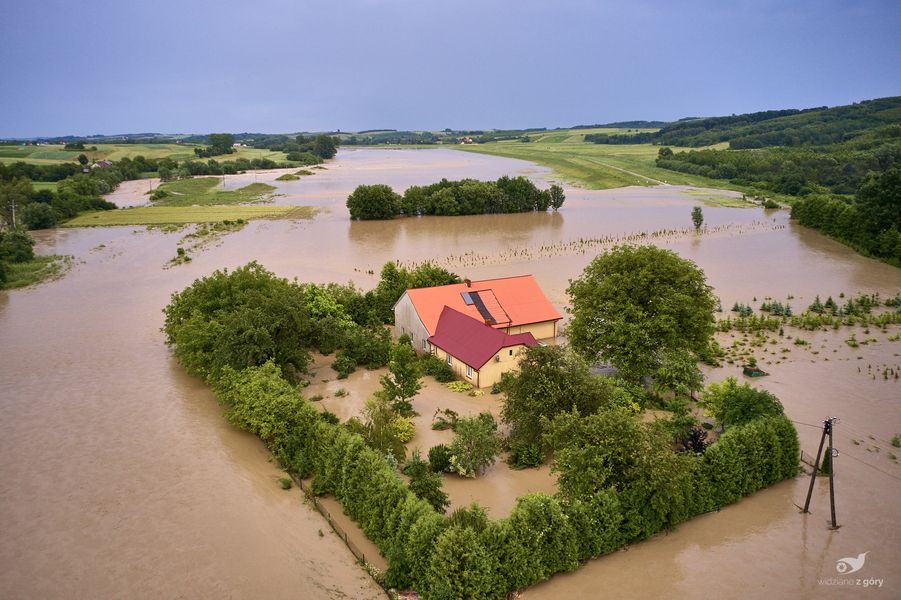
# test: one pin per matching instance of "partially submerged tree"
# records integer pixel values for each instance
(551, 380)
(425, 482)
(475, 446)
(402, 383)
(732, 404)
(697, 217)
(634, 306)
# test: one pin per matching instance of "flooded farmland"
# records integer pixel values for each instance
(120, 477)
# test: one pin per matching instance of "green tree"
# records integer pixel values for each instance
(551, 380)
(82, 159)
(475, 446)
(697, 217)
(878, 201)
(557, 196)
(221, 143)
(239, 319)
(16, 246)
(38, 215)
(425, 483)
(381, 427)
(634, 305)
(401, 383)
(460, 567)
(325, 146)
(732, 404)
(368, 202)
(14, 195)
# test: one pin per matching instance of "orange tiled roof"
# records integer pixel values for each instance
(509, 302)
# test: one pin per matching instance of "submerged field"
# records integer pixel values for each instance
(71, 369)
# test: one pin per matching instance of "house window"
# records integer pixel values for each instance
(425, 345)
(511, 352)
(469, 371)
(450, 359)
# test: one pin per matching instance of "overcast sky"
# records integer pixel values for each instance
(106, 67)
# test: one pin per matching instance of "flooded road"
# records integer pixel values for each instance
(120, 478)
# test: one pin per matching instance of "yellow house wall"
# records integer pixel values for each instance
(545, 331)
(491, 371)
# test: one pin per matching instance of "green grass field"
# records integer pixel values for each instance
(52, 154)
(601, 166)
(41, 268)
(44, 185)
(181, 215)
(200, 191)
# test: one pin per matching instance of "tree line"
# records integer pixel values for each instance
(870, 223)
(464, 197)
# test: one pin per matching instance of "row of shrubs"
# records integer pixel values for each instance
(466, 555)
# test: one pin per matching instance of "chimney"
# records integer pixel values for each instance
(468, 282)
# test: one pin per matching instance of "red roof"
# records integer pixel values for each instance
(509, 302)
(472, 341)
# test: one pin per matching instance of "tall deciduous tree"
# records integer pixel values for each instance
(557, 196)
(633, 306)
(697, 217)
(401, 382)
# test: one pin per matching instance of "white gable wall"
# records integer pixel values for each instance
(407, 321)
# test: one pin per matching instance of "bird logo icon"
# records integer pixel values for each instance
(850, 564)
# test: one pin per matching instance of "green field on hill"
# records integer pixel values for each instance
(594, 166)
(54, 153)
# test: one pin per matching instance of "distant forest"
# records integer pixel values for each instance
(841, 163)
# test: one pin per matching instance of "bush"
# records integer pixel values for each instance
(439, 458)
(344, 365)
(461, 387)
(525, 454)
(16, 246)
(475, 446)
(329, 417)
(438, 369)
(38, 216)
(403, 428)
(285, 482)
(425, 483)
(732, 404)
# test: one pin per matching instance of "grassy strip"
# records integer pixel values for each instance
(179, 215)
(594, 166)
(199, 192)
(711, 198)
(37, 270)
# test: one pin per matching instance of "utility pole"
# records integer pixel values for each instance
(828, 424)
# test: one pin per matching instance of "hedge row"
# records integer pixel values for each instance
(466, 555)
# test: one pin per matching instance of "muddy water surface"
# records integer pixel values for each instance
(120, 478)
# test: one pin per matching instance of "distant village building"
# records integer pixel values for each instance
(102, 164)
(466, 140)
(509, 306)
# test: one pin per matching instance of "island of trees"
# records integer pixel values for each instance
(621, 479)
(464, 197)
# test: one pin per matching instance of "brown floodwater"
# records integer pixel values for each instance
(120, 477)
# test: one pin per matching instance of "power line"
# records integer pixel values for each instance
(807, 424)
(875, 468)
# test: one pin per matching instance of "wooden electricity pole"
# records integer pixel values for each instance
(827, 431)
